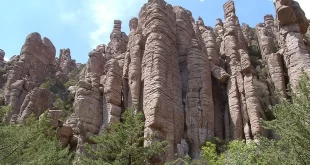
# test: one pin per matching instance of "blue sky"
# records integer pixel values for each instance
(82, 24)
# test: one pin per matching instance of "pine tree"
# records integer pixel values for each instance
(292, 127)
(33, 143)
(122, 143)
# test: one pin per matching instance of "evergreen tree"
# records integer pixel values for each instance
(122, 143)
(34, 143)
(291, 125)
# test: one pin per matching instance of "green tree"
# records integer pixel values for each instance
(291, 125)
(291, 140)
(34, 143)
(209, 153)
(122, 143)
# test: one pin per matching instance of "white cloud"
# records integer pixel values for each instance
(6, 59)
(202, 0)
(100, 13)
(104, 12)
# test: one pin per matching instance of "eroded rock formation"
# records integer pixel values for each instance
(36, 58)
(112, 81)
(273, 61)
(172, 70)
(66, 64)
(162, 104)
(243, 104)
(2, 54)
(192, 82)
(2, 72)
(293, 24)
(36, 102)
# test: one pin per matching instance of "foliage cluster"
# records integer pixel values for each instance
(32, 143)
(122, 143)
(290, 142)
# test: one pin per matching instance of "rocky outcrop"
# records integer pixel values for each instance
(196, 82)
(162, 104)
(276, 71)
(112, 80)
(244, 107)
(219, 33)
(272, 28)
(132, 69)
(2, 54)
(246, 30)
(192, 82)
(265, 39)
(66, 64)
(293, 24)
(213, 108)
(179, 73)
(273, 61)
(3, 71)
(118, 44)
(36, 59)
(88, 102)
(98, 95)
(64, 132)
(36, 102)
(87, 118)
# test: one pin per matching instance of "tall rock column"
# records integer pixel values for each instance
(265, 40)
(274, 60)
(88, 99)
(88, 116)
(246, 30)
(219, 76)
(272, 28)
(219, 33)
(132, 67)
(2, 54)
(3, 74)
(244, 106)
(162, 89)
(65, 62)
(293, 24)
(196, 82)
(112, 81)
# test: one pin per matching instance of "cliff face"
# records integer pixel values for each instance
(37, 57)
(191, 81)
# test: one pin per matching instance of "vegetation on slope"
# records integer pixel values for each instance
(34, 143)
(74, 76)
(122, 143)
(291, 126)
(63, 99)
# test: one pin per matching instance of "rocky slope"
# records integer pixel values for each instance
(191, 81)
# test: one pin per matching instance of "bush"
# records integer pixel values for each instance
(210, 154)
(4, 110)
(46, 84)
(69, 83)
